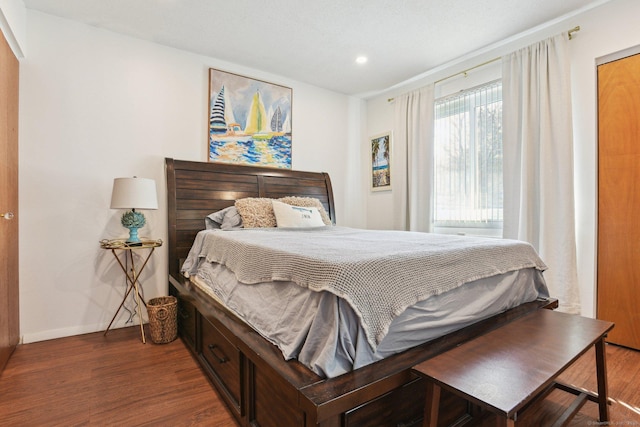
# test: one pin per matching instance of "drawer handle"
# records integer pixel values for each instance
(212, 348)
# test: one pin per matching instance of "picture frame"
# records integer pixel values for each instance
(380, 155)
(249, 121)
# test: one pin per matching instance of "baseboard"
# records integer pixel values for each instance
(72, 331)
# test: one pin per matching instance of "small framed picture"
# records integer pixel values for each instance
(380, 161)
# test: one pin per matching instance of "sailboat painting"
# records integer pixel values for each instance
(249, 121)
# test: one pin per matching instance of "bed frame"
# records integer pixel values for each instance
(257, 384)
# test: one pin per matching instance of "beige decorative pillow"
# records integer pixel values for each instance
(256, 212)
(308, 202)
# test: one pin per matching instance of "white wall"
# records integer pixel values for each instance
(95, 105)
(608, 28)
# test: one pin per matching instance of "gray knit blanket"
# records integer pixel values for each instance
(379, 273)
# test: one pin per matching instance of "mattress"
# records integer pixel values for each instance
(322, 330)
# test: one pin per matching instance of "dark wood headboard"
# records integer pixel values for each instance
(196, 189)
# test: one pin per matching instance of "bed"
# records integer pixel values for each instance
(259, 384)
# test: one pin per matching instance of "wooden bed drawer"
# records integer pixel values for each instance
(401, 407)
(222, 360)
(405, 407)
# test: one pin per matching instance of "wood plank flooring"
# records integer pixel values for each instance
(92, 380)
(107, 381)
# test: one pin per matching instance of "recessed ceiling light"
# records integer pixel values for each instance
(361, 59)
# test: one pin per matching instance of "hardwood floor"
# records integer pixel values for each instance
(116, 380)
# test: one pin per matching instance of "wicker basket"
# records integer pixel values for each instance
(163, 319)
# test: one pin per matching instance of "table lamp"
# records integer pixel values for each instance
(133, 193)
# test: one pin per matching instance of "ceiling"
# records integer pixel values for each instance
(318, 41)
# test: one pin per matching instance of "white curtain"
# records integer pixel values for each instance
(412, 162)
(538, 161)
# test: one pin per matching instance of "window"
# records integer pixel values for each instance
(468, 190)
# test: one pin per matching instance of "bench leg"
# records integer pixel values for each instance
(601, 369)
(432, 405)
(504, 421)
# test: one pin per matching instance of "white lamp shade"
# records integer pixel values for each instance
(134, 193)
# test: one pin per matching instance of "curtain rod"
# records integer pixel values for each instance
(573, 30)
(570, 33)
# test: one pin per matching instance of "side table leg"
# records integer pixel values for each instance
(134, 275)
(601, 369)
(144, 341)
(129, 283)
(118, 310)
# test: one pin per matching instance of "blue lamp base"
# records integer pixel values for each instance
(133, 221)
(133, 235)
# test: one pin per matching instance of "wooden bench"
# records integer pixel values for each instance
(506, 369)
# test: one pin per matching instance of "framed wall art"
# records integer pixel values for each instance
(380, 161)
(249, 121)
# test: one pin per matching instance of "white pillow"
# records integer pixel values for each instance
(296, 216)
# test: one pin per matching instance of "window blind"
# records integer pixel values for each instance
(468, 188)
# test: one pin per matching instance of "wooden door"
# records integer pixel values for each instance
(619, 198)
(9, 320)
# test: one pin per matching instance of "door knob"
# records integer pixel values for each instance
(7, 215)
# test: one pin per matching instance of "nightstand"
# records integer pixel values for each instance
(132, 274)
